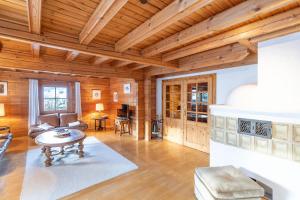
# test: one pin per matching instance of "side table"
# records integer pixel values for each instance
(101, 125)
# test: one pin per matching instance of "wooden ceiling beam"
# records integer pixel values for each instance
(249, 60)
(35, 48)
(71, 44)
(119, 64)
(105, 11)
(177, 10)
(227, 54)
(281, 22)
(34, 13)
(138, 67)
(99, 60)
(229, 18)
(251, 46)
(51, 64)
(220, 56)
(71, 55)
(34, 9)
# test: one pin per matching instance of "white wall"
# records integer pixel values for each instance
(279, 73)
(227, 80)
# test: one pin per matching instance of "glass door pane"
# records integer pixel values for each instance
(173, 101)
(197, 102)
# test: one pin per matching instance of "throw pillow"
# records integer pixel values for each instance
(72, 124)
(45, 126)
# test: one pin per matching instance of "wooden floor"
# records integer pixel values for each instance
(165, 170)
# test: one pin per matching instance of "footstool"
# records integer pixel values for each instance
(218, 183)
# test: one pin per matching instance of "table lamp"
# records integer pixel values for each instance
(99, 107)
(2, 110)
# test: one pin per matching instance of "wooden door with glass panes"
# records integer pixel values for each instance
(198, 96)
(172, 111)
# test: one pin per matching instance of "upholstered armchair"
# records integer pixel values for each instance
(5, 139)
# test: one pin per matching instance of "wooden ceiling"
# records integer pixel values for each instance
(126, 38)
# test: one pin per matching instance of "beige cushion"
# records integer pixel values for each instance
(51, 119)
(66, 118)
(228, 183)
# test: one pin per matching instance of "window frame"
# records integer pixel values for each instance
(56, 85)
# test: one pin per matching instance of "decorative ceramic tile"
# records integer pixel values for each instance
(296, 152)
(219, 135)
(212, 123)
(231, 138)
(280, 149)
(296, 133)
(212, 133)
(231, 124)
(220, 122)
(245, 142)
(285, 142)
(261, 145)
(280, 131)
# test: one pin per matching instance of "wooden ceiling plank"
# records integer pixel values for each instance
(105, 11)
(71, 55)
(231, 17)
(169, 15)
(71, 44)
(275, 23)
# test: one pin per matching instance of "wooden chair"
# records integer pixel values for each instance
(121, 125)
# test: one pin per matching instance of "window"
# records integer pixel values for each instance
(55, 99)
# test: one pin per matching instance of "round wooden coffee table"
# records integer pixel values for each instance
(50, 139)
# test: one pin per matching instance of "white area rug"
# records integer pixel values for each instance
(70, 173)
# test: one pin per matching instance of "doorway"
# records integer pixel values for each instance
(186, 110)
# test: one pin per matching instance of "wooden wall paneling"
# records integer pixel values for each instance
(116, 85)
(140, 110)
(148, 103)
(16, 103)
(153, 98)
(89, 105)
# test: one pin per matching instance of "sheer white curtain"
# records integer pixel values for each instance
(78, 100)
(34, 110)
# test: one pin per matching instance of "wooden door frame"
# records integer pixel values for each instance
(183, 81)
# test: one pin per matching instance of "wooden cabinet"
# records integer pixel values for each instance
(185, 110)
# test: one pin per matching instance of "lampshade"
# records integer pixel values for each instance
(99, 107)
(2, 110)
